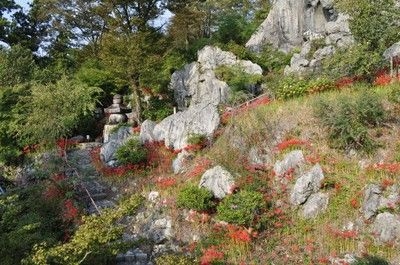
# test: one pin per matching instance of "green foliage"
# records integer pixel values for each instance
(237, 79)
(16, 66)
(96, 241)
(196, 138)
(320, 84)
(370, 260)
(291, 87)
(157, 109)
(193, 197)
(316, 44)
(26, 219)
(372, 22)
(353, 62)
(174, 260)
(53, 111)
(348, 119)
(241, 208)
(394, 94)
(132, 152)
(233, 27)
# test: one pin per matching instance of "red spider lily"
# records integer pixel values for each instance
(69, 211)
(345, 81)
(136, 129)
(211, 255)
(355, 203)
(263, 100)
(290, 143)
(387, 182)
(382, 80)
(390, 168)
(238, 234)
(201, 166)
(165, 182)
(344, 234)
(53, 192)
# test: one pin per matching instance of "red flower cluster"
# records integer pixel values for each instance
(164, 183)
(63, 144)
(69, 211)
(201, 166)
(345, 81)
(262, 100)
(344, 234)
(382, 80)
(136, 129)
(290, 143)
(53, 190)
(238, 234)
(211, 255)
(29, 149)
(387, 167)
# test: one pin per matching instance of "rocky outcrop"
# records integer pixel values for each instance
(315, 204)
(306, 185)
(301, 24)
(217, 180)
(178, 165)
(146, 131)
(293, 160)
(372, 199)
(387, 228)
(198, 119)
(115, 140)
(197, 83)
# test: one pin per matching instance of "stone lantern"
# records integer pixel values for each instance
(116, 114)
(117, 111)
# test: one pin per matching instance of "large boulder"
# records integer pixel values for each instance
(175, 129)
(115, 140)
(217, 180)
(372, 201)
(387, 228)
(306, 185)
(292, 160)
(315, 204)
(299, 24)
(146, 131)
(196, 83)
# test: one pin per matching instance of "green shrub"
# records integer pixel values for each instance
(197, 138)
(348, 119)
(394, 94)
(291, 87)
(237, 78)
(319, 85)
(132, 152)
(173, 259)
(195, 198)
(370, 260)
(241, 208)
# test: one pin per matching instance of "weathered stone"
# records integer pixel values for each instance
(160, 230)
(196, 83)
(315, 204)
(178, 165)
(392, 51)
(306, 185)
(115, 140)
(175, 129)
(292, 160)
(386, 228)
(372, 200)
(217, 180)
(146, 131)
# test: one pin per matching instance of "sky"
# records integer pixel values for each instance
(23, 3)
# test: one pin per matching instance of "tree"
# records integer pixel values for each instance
(53, 111)
(373, 22)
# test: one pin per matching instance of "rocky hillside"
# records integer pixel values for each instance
(281, 150)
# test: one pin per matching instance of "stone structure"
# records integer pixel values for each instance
(117, 111)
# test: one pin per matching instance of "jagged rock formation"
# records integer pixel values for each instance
(198, 92)
(196, 83)
(300, 24)
(115, 140)
(293, 160)
(217, 180)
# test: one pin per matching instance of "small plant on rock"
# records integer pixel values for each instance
(195, 198)
(241, 208)
(132, 152)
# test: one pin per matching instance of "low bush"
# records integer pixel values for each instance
(197, 139)
(195, 198)
(348, 119)
(370, 260)
(241, 208)
(132, 152)
(291, 87)
(173, 259)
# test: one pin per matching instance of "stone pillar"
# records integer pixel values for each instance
(116, 114)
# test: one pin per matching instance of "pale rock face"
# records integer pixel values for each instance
(387, 228)
(292, 160)
(306, 185)
(175, 129)
(315, 204)
(295, 24)
(217, 180)
(146, 131)
(196, 83)
(115, 140)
